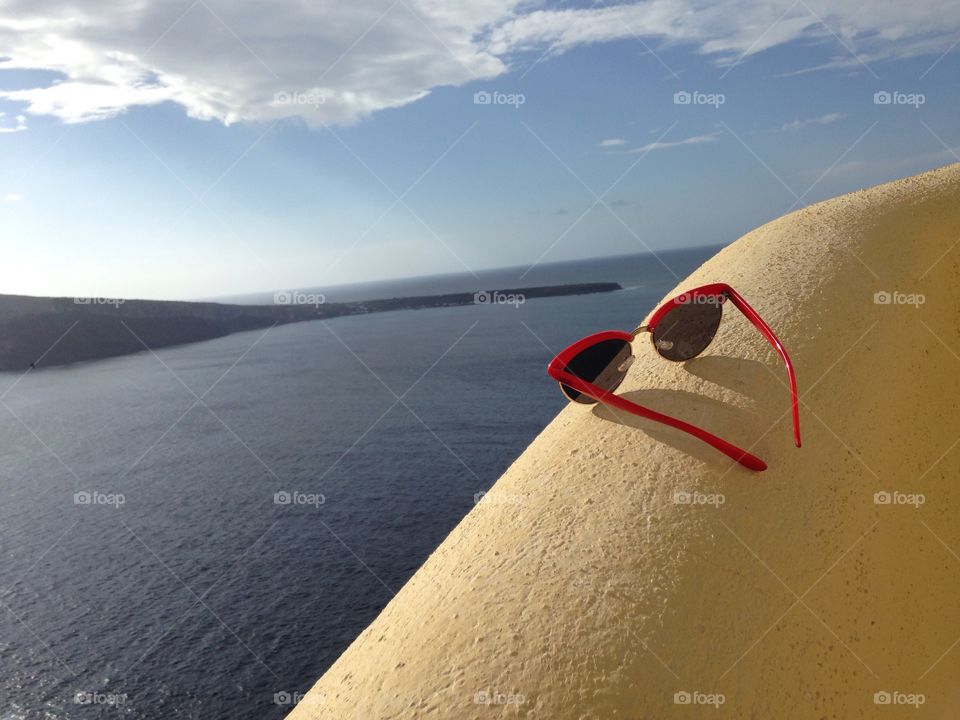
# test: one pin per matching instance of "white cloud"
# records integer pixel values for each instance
(12, 198)
(6, 127)
(611, 142)
(738, 28)
(822, 120)
(336, 62)
(695, 140)
(324, 61)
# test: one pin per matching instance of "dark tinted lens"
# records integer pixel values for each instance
(687, 329)
(604, 364)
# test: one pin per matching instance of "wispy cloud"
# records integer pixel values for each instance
(240, 60)
(733, 30)
(611, 142)
(12, 198)
(822, 120)
(694, 140)
(6, 127)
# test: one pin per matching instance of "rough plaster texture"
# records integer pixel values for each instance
(593, 594)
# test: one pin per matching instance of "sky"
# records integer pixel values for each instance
(202, 148)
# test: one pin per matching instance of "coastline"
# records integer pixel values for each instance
(44, 332)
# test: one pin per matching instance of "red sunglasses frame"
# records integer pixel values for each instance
(557, 369)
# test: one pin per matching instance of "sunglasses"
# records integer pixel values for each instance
(591, 369)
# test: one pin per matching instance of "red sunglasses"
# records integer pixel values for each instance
(591, 369)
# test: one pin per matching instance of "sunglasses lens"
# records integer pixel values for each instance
(604, 364)
(686, 330)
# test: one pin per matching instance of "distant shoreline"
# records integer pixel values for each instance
(40, 332)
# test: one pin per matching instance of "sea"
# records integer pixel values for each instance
(201, 531)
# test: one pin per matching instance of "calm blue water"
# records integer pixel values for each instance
(200, 596)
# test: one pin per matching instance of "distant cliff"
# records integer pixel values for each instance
(42, 331)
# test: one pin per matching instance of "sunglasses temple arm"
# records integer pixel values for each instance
(754, 317)
(749, 461)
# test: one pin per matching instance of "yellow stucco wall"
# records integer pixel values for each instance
(589, 592)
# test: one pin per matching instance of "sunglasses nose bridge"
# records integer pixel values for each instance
(639, 329)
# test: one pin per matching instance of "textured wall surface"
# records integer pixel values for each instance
(594, 593)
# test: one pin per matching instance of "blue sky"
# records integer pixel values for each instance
(178, 150)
